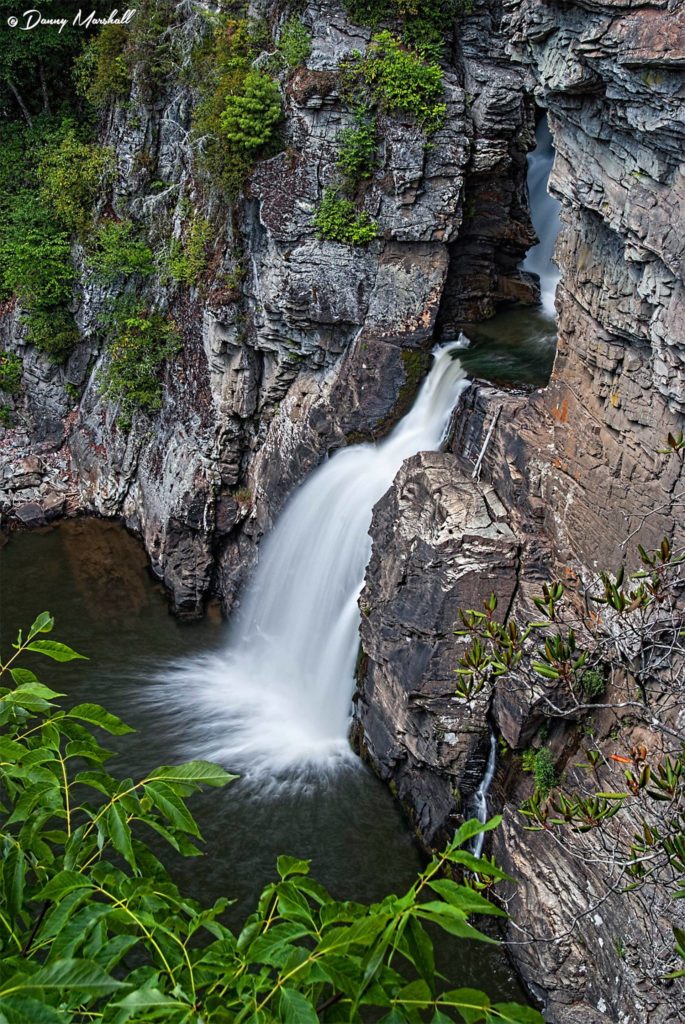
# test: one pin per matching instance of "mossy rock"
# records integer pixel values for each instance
(416, 364)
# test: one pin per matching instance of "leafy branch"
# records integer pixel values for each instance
(85, 896)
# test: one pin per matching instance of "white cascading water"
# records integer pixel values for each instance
(279, 696)
(544, 210)
(480, 797)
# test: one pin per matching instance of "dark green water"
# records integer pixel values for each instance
(93, 577)
(513, 349)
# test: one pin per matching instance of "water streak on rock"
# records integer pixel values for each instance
(544, 210)
(480, 797)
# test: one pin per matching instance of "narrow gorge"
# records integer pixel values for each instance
(422, 342)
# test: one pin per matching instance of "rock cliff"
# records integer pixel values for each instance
(313, 344)
(295, 346)
(569, 474)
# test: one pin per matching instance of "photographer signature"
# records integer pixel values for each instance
(29, 20)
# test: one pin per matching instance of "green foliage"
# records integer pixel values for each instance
(154, 44)
(36, 266)
(631, 627)
(371, 12)
(146, 47)
(11, 367)
(400, 81)
(251, 115)
(118, 251)
(243, 495)
(357, 157)
(541, 764)
(5, 416)
(295, 42)
(93, 927)
(240, 106)
(338, 220)
(71, 175)
(233, 281)
(103, 70)
(675, 445)
(496, 649)
(17, 150)
(187, 260)
(592, 683)
(423, 26)
(36, 256)
(52, 330)
(140, 342)
(34, 63)
(583, 813)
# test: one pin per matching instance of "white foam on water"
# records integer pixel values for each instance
(278, 697)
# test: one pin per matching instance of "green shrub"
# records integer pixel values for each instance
(187, 260)
(357, 157)
(371, 12)
(19, 151)
(139, 343)
(252, 113)
(155, 50)
(295, 42)
(11, 367)
(52, 330)
(5, 416)
(149, 48)
(36, 255)
(119, 251)
(36, 266)
(71, 175)
(541, 764)
(35, 247)
(94, 928)
(16, 143)
(103, 71)
(240, 107)
(338, 220)
(424, 26)
(400, 81)
(592, 683)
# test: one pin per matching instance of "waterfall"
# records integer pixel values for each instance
(480, 797)
(279, 696)
(544, 210)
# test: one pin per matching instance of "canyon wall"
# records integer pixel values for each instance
(570, 475)
(312, 343)
(295, 346)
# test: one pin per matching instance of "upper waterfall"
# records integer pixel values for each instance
(544, 211)
(279, 695)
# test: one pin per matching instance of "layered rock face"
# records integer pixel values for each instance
(315, 344)
(310, 349)
(579, 474)
(612, 80)
(440, 539)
